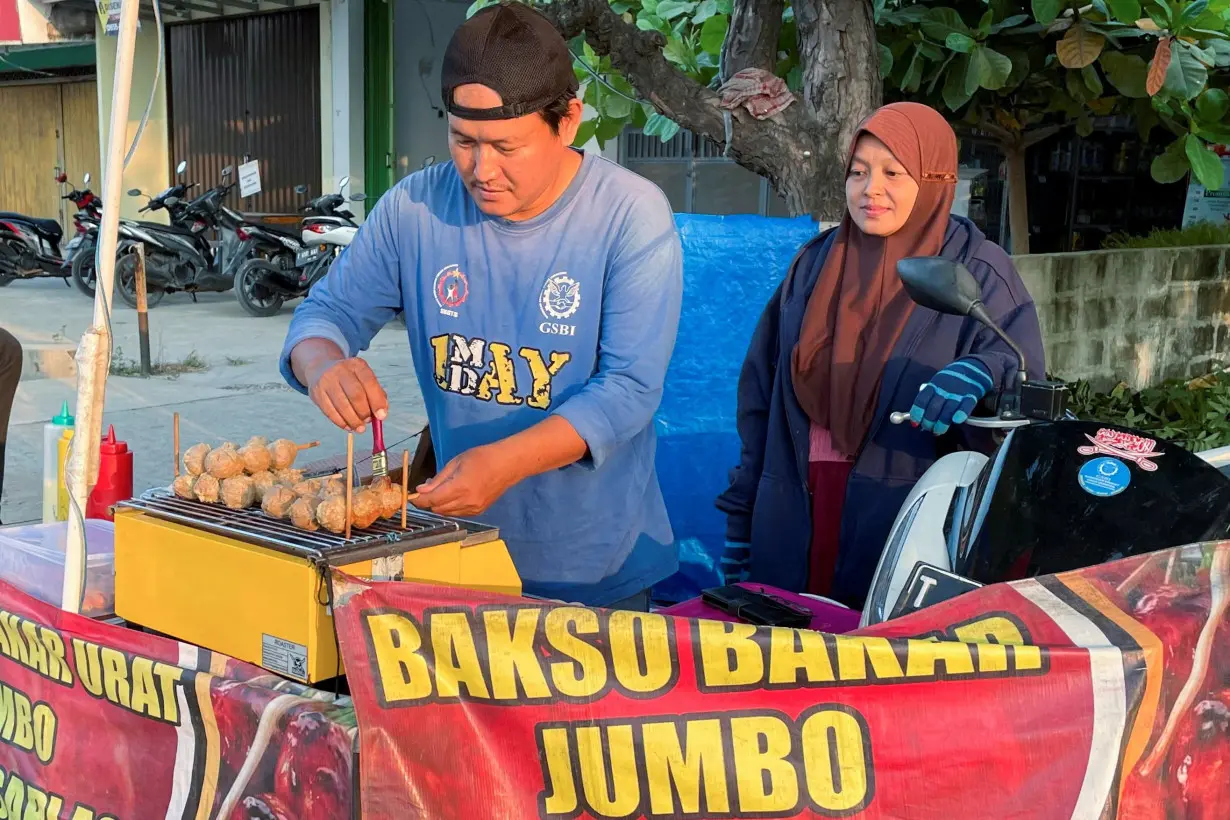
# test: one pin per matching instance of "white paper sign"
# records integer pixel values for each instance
(1208, 206)
(250, 178)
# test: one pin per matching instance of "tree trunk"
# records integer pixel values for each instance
(801, 150)
(1018, 201)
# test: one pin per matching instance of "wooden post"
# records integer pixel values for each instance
(142, 311)
(176, 445)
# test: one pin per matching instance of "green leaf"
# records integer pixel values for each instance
(931, 52)
(1191, 13)
(1205, 164)
(1172, 164)
(609, 129)
(713, 33)
(1009, 22)
(678, 52)
(704, 11)
(726, 6)
(1092, 81)
(1084, 124)
(908, 16)
(886, 60)
(1020, 66)
(954, 92)
(1045, 11)
(1075, 83)
(940, 22)
(619, 7)
(647, 21)
(1126, 72)
(1212, 105)
(1125, 11)
(977, 72)
(984, 25)
(960, 43)
(661, 127)
(913, 74)
(794, 80)
(1186, 76)
(1220, 49)
(616, 106)
(670, 9)
(994, 70)
(585, 133)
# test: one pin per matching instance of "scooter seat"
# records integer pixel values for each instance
(49, 228)
(292, 233)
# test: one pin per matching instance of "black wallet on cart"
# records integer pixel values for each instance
(758, 608)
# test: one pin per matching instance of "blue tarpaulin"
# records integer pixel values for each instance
(731, 264)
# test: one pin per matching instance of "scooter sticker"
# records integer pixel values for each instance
(1136, 449)
(1105, 477)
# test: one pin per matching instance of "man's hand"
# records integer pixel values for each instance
(345, 390)
(470, 483)
(474, 480)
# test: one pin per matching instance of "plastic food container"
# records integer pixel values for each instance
(32, 559)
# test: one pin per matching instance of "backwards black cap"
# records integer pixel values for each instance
(514, 51)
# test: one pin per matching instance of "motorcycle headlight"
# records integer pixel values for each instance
(877, 602)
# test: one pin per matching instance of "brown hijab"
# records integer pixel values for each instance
(859, 308)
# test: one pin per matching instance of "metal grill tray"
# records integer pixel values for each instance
(253, 526)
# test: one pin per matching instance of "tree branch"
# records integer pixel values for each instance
(751, 40)
(758, 145)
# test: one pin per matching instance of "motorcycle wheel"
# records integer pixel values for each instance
(252, 294)
(84, 273)
(126, 283)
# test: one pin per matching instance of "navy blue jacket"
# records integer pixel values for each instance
(768, 504)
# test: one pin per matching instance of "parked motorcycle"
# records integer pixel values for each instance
(172, 200)
(264, 284)
(30, 246)
(182, 258)
(1056, 494)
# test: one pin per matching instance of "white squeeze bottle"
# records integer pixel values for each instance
(52, 431)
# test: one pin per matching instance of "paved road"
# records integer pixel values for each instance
(240, 394)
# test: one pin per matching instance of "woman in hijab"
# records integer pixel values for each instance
(822, 473)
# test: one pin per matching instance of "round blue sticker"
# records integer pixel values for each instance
(1104, 477)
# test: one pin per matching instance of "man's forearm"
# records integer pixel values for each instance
(311, 356)
(549, 445)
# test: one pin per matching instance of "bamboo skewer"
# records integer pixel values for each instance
(349, 478)
(301, 447)
(405, 485)
(175, 425)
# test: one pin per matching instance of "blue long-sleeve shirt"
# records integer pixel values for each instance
(573, 312)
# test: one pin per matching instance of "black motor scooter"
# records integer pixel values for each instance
(30, 246)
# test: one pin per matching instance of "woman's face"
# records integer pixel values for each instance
(880, 193)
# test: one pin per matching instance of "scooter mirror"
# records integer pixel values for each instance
(61, 177)
(940, 284)
(358, 197)
(430, 161)
(135, 192)
(341, 186)
(86, 179)
(183, 166)
(226, 172)
(301, 189)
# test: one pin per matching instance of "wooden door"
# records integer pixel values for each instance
(30, 152)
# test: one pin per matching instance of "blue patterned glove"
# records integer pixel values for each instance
(736, 562)
(951, 395)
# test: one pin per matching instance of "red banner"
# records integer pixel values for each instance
(98, 721)
(1092, 694)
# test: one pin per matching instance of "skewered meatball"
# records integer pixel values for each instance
(263, 482)
(207, 488)
(364, 508)
(331, 514)
(303, 513)
(182, 486)
(334, 485)
(288, 476)
(389, 495)
(194, 458)
(256, 456)
(224, 462)
(277, 502)
(307, 487)
(284, 453)
(238, 492)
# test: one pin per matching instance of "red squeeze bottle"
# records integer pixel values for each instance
(114, 477)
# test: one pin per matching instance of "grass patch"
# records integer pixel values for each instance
(1204, 233)
(237, 361)
(122, 365)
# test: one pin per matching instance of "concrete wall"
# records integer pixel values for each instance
(1140, 316)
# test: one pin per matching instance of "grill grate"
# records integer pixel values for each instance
(255, 527)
